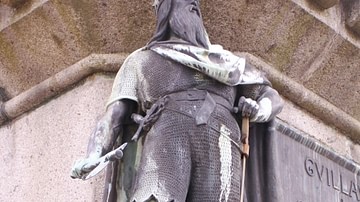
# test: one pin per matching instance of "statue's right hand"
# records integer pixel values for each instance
(83, 167)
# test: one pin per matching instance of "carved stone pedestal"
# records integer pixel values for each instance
(301, 169)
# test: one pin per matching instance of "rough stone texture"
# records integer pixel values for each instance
(325, 4)
(59, 33)
(305, 43)
(328, 137)
(13, 10)
(38, 149)
(294, 42)
(338, 81)
(335, 74)
(352, 14)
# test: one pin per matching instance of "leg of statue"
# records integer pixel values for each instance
(165, 166)
(216, 172)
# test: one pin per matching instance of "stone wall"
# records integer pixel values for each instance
(39, 148)
(313, 46)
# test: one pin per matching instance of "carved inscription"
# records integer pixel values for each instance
(333, 179)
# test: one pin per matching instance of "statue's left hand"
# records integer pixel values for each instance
(83, 167)
(248, 107)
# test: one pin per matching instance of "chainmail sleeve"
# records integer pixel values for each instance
(125, 83)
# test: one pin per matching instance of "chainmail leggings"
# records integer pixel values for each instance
(185, 162)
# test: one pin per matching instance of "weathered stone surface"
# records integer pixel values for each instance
(293, 115)
(17, 4)
(314, 171)
(59, 33)
(325, 4)
(291, 40)
(38, 149)
(352, 13)
(338, 78)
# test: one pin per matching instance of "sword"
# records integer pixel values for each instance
(117, 153)
(113, 155)
(246, 150)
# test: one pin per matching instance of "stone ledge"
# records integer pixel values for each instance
(308, 123)
(314, 145)
(58, 83)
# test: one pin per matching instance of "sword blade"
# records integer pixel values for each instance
(106, 159)
(103, 163)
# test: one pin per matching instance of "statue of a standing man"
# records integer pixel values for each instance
(189, 88)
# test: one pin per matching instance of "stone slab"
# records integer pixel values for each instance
(39, 148)
(352, 15)
(316, 129)
(310, 171)
(58, 33)
(338, 80)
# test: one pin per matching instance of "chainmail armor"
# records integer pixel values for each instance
(185, 158)
(182, 161)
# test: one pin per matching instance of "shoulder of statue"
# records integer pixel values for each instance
(142, 57)
(139, 56)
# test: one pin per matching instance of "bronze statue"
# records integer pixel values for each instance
(189, 88)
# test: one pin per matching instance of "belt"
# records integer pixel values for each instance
(201, 117)
(208, 106)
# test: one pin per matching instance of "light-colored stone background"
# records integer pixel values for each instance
(38, 149)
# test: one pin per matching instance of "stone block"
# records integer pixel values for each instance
(39, 148)
(337, 79)
(325, 4)
(352, 13)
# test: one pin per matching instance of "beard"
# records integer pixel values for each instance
(189, 27)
